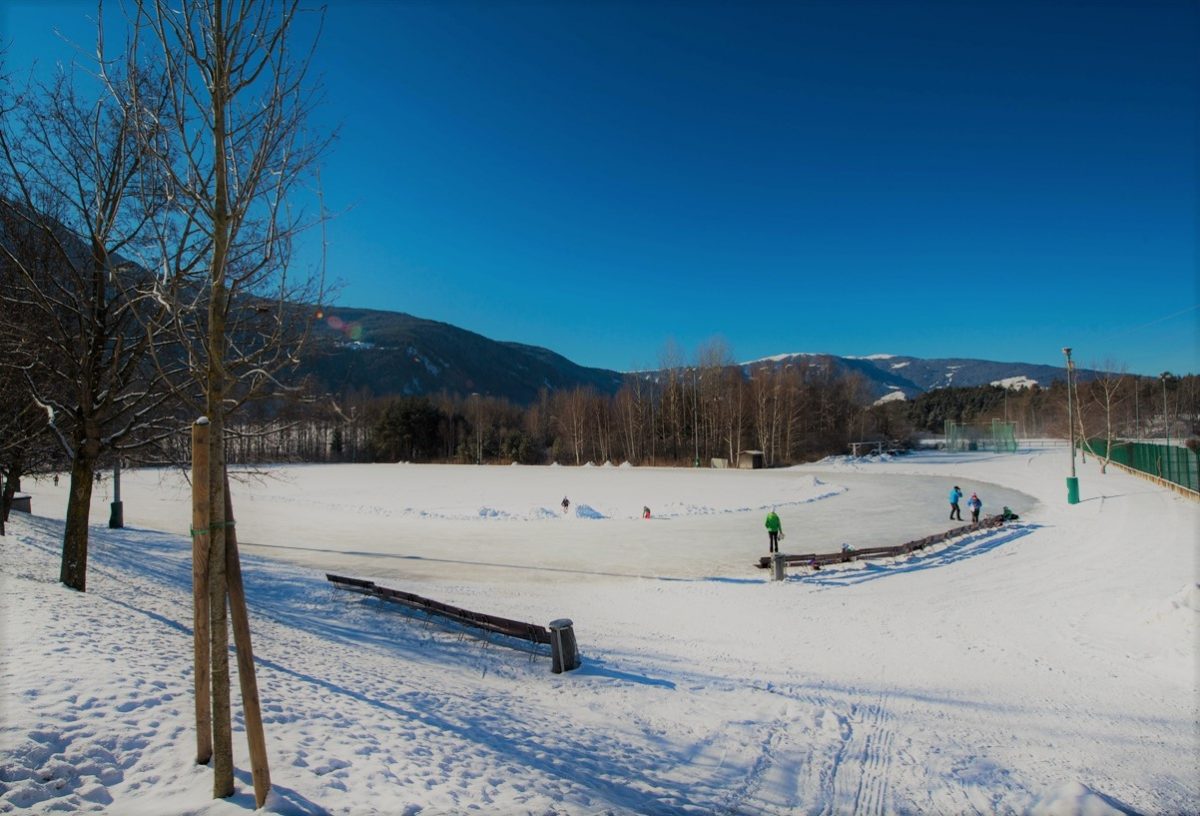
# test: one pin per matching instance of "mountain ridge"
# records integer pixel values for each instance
(392, 353)
(912, 376)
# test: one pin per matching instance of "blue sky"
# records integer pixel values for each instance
(975, 179)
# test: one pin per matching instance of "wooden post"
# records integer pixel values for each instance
(218, 615)
(200, 630)
(259, 769)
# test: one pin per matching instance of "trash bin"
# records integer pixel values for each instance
(563, 653)
(778, 567)
(1072, 490)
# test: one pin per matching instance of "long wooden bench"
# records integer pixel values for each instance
(843, 557)
(562, 647)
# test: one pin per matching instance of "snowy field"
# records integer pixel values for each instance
(1046, 667)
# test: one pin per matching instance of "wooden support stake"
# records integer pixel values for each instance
(218, 615)
(259, 769)
(200, 621)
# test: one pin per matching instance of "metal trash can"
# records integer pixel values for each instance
(563, 652)
(1072, 490)
(778, 567)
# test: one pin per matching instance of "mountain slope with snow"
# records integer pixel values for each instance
(392, 353)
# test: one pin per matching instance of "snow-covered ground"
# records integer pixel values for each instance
(1049, 666)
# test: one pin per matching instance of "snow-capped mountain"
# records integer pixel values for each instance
(889, 374)
(395, 353)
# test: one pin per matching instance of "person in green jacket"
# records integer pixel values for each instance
(774, 528)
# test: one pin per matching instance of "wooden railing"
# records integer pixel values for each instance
(842, 557)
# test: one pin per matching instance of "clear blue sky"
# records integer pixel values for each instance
(940, 178)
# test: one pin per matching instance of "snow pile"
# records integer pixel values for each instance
(1037, 668)
(1015, 383)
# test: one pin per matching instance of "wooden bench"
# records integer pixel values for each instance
(559, 636)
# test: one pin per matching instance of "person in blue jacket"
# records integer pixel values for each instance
(974, 504)
(955, 511)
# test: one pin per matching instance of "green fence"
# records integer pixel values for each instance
(1171, 462)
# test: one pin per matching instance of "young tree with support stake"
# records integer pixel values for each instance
(231, 151)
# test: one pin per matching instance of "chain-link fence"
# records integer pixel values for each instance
(1173, 463)
(999, 436)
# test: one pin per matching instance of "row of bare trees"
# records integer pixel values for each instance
(694, 414)
(792, 412)
(679, 415)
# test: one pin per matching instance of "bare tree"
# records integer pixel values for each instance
(571, 418)
(1105, 394)
(713, 358)
(629, 406)
(72, 204)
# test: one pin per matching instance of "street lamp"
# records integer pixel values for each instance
(116, 517)
(478, 429)
(1166, 421)
(1072, 482)
(695, 420)
(1137, 409)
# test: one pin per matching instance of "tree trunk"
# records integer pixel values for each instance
(15, 468)
(79, 505)
(222, 228)
(217, 587)
(201, 637)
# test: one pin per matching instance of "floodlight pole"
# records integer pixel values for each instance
(1166, 422)
(696, 420)
(1072, 481)
(478, 429)
(116, 516)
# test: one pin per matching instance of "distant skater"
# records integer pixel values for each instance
(565, 505)
(974, 504)
(774, 528)
(955, 496)
(645, 512)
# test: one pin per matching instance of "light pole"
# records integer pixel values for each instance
(1137, 410)
(1072, 482)
(1166, 422)
(478, 429)
(116, 516)
(695, 420)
